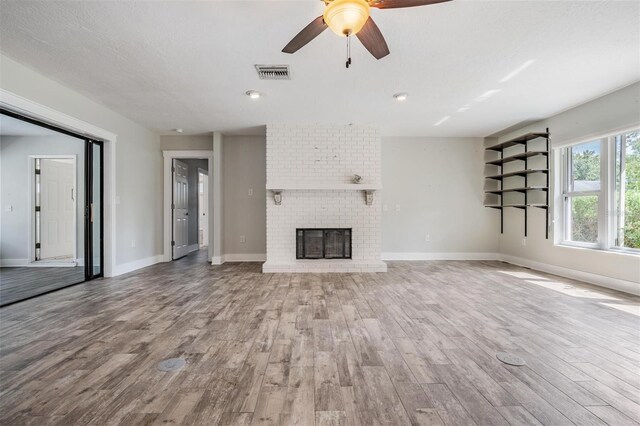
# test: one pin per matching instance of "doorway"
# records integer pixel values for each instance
(55, 195)
(52, 198)
(186, 230)
(203, 208)
(180, 209)
(189, 207)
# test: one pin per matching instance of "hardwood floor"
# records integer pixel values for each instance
(413, 346)
(24, 282)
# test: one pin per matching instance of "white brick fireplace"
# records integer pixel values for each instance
(312, 166)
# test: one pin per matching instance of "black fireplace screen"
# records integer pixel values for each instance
(331, 243)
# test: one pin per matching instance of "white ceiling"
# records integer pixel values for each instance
(188, 64)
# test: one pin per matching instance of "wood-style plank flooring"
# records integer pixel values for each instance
(24, 282)
(413, 346)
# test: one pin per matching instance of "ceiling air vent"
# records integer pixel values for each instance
(273, 72)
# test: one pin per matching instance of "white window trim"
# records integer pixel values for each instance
(606, 206)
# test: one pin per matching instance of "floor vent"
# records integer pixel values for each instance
(510, 359)
(171, 364)
(273, 72)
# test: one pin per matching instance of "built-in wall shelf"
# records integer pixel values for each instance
(529, 192)
(517, 206)
(516, 173)
(368, 189)
(521, 190)
(517, 141)
(518, 157)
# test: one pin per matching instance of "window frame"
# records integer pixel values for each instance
(607, 209)
(567, 167)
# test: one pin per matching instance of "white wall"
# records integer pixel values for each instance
(15, 190)
(611, 112)
(138, 160)
(244, 169)
(437, 185)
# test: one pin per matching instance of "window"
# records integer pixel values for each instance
(582, 193)
(602, 176)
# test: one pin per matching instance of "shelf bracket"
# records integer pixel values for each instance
(277, 196)
(368, 196)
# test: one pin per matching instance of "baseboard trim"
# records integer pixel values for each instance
(244, 257)
(192, 248)
(137, 264)
(595, 279)
(440, 256)
(216, 260)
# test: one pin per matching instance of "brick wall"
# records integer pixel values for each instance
(323, 155)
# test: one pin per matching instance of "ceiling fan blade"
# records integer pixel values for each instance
(371, 37)
(392, 4)
(307, 34)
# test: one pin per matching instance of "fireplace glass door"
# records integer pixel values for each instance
(323, 243)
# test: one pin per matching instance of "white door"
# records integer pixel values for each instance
(203, 209)
(57, 208)
(180, 209)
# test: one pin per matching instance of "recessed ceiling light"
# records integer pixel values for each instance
(401, 96)
(253, 94)
(178, 130)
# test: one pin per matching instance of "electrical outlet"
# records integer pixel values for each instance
(397, 207)
(427, 237)
(250, 192)
(524, 241)
(133, 243)
(242, 239)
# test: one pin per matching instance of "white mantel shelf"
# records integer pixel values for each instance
(367, 188)
(322, 186)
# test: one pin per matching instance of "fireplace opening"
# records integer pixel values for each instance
(326, 243)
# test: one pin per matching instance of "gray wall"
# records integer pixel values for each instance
(192, 181)
(244, 168)
(437, 184)
(436, 181)
(14, 189)
(186, 142)
(618, 110)
(138, 159)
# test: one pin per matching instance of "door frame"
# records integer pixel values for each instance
(214, 225)
(31, 211)
(89, 235)
(15, 104)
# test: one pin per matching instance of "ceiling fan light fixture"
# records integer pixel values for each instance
(346, 17)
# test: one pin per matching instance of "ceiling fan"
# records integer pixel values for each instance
(351, 17)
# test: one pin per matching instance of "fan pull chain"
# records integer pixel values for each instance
(348, 51)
